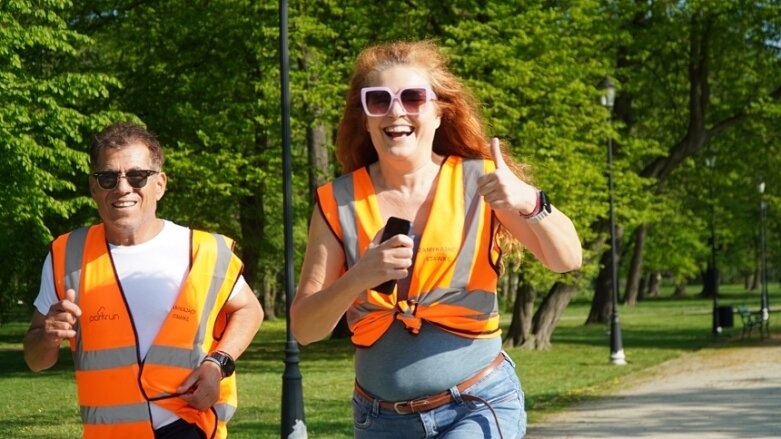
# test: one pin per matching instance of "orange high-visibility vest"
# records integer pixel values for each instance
(115, 386)
(454, 276)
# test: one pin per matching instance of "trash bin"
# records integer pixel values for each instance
(725, 315)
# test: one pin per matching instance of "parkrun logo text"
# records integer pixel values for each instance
(101, 315)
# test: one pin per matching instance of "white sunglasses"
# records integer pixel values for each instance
(377, 101)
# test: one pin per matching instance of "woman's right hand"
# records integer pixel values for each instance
(389, 260)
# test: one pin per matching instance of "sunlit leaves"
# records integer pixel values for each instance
(43, 121)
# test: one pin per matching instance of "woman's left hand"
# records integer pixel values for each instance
(502, 189)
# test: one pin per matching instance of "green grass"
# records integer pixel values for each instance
(576, 368)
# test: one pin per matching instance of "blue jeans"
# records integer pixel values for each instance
(464, 418)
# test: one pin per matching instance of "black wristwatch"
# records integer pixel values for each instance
(225, 361)
(544, 206)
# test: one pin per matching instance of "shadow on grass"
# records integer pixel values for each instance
(253, 429)
(678, 339)
(668, 339)
(680, 323)
(47, 424)
(12, 363)
(340, 349)
(11, 339)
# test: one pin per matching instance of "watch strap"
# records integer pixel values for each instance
(542, 210)
(213, 360)
(224, 360)
(536, 210)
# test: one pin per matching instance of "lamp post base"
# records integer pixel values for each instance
(716, 327)
(618, 358)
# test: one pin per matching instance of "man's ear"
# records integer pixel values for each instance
(91, 183)
(160, 184)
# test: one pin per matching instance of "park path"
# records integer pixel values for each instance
(721, 393)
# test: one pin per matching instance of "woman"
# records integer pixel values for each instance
(428, 361)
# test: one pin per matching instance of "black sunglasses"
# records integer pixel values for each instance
(135, 178)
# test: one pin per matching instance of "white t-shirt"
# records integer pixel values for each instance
(151, 275)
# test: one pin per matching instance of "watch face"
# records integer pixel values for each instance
(227, 364)
(545, 202)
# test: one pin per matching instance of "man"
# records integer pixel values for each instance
(155, 313)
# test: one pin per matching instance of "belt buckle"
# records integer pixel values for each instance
(397, 407)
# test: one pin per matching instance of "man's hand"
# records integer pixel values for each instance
(202, 388)
(46, 332)
(61, 319)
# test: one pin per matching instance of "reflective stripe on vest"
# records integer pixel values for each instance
(224, 411)
(108, 370)
(72, 279)
(454, 274)
(116, 414)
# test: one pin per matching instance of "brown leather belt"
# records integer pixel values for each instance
(432, 401)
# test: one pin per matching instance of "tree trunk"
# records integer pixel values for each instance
(710, 281)
(251, 230)
(635, 266)
(318, 171)
(317, 158)
(642, 287)
(503, 283)
(680, 290)
(519, 331)
(269, 297)
(601, 304)
(654, 283)
(252, 220)
(754, 280)
(548, 314)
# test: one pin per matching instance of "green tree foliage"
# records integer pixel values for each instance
(43, 164)
(700, 80)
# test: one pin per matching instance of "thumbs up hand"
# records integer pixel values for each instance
(62, 318)
(502, 189)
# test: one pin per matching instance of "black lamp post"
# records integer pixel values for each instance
(616, 345)
(763, 257)
(713, 272)
(292, 425)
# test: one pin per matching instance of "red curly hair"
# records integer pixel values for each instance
(461, 131)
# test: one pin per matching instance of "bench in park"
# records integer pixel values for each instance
(751, 319)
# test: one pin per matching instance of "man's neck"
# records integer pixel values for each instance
(122, 237)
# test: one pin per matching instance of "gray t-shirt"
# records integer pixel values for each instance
(401, 366)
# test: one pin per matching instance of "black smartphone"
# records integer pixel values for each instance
(394, 226)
